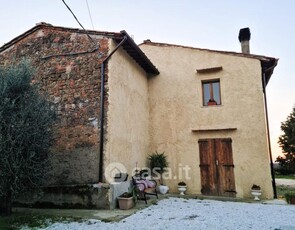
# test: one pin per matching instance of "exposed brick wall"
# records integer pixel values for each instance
(72, 83)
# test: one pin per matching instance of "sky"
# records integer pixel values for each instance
(211, 24)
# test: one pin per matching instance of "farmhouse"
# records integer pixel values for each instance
(207, 111)
(117, 102)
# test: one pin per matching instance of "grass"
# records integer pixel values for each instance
(285, 177)
(16, 220)
(33, 221)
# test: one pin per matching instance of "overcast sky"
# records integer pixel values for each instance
(205, 24)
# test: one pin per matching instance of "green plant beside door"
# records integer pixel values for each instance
(158, 164)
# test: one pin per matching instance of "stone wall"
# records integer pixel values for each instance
(72, 83)
(89, 196)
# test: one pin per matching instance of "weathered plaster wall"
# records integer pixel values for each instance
(175, 102)
(72, 83)
(128, 113)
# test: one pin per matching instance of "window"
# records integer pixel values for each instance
(211, 92)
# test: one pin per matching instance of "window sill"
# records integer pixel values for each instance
(214, 130)
(211, 106)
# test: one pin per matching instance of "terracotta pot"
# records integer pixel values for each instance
(212, 103)
(126, 203)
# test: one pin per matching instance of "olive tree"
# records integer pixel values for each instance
(26, 120)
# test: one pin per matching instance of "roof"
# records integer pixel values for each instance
(134, 51)
(129, 45)
(267, 63)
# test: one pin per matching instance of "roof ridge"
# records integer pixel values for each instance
(256, 56)
(129, 45)
(41, 25)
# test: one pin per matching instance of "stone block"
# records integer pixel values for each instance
(116, 189)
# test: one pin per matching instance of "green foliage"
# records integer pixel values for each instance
(28, 220)
(26, 120)
(287, 143)
(255, 187)
(292, 177)
(158, 162)
(133, 192)
(181, 183)
(282, 189)
(289, 195)
(126, 195)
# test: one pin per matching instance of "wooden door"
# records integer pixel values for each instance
(217, 168)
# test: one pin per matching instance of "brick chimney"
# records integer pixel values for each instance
(244, 38)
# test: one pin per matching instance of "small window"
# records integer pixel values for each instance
(211, 92)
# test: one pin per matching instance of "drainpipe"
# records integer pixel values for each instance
(268, 135)
(101, 136)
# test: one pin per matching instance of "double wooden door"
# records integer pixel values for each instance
(217, 167)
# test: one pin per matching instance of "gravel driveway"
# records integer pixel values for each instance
(179, 213)
(286, 182)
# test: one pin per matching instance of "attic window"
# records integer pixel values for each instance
(209, 69)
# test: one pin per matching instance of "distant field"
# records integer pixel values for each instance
(285, 177)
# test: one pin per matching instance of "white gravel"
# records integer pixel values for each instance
(178, 213)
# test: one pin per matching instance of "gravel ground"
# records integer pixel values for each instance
(286, 182)
(178, 213)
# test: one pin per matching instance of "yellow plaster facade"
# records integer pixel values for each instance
(127, 135)
(177, 111)
(165, 113)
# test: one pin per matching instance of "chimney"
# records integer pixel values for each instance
(244, 38)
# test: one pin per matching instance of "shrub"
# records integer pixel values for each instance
(26, 118)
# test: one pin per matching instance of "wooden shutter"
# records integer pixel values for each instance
(225, 172)
(217, 168)
(207, 166)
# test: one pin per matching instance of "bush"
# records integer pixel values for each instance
(25, 134)
(289, 195)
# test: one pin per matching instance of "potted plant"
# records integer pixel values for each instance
(127, 200)
(290, 197)
(182, 187)
(256, 191)
(212, 102)
(158, 165)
